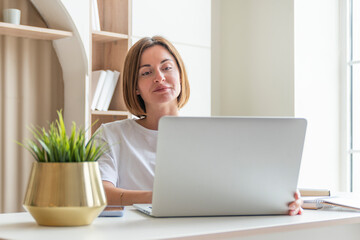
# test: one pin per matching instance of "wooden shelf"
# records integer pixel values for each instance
(10, 29)
(109, 49)
(104, 36)
(112, 113)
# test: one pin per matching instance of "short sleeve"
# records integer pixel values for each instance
(107, 164)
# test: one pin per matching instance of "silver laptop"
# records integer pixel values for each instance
(218, 166)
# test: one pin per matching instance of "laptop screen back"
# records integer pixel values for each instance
(227, 165)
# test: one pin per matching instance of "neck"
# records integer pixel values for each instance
(151, 121)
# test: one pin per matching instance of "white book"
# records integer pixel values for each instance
(95, 19)
(97, 83)
(105, 90)
(111, 91)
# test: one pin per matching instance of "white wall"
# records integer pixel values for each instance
(317, 89)
(187, 24)
(280, 57)
(253, 57)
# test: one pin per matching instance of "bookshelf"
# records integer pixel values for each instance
(109, 48)
(24, 31)
(104, 36)
(51, 21)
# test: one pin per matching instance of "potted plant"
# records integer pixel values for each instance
(64, 187)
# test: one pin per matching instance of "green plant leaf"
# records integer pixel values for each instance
(55, 146)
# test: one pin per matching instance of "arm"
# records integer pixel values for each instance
(123, 197)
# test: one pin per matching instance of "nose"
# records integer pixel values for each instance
(159, 76)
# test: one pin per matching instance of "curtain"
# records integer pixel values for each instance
(31, 90)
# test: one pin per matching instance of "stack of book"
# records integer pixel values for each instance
(322, 199)
(313, 197)
(103, 88)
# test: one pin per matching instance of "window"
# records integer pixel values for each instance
(353, 73)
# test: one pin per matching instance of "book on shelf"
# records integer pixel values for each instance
(97, 82)
(105, 82)
(310, 192)
(105, 90)
(110, 91)
(95, 19)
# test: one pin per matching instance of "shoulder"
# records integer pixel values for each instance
(125, 129)
(115, 129)
(118, 124)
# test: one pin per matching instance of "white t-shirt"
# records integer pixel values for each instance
(130, 161)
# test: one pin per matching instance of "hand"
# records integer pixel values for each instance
(295, 206)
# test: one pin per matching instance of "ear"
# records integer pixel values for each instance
(137, 92)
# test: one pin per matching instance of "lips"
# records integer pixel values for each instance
(161, 88)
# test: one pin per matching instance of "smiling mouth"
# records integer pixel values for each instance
(162, 89)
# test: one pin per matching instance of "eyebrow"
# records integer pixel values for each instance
(148, 65)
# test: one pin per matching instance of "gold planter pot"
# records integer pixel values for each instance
(65, 194)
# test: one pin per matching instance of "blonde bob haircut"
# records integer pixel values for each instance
(134, 102)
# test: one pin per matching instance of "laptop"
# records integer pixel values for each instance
(220, 166)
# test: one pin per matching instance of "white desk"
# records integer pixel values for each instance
(329, 225)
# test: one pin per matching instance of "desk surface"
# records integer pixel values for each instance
(135, 225)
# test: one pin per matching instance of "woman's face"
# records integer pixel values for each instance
(159, 77)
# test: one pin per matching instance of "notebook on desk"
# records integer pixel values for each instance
(217, 166)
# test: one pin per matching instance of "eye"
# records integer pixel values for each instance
(145, 73)
(167, 67)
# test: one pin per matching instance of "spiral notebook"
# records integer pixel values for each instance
(345, 203)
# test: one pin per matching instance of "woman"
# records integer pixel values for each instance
(155, 84)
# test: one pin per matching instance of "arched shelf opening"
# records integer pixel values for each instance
(72, 57)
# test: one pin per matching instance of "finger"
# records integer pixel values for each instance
(292, 206)
(292, 212)
(298, 198)
(297, 211)
(299, 202)
(301, 210)
(295, 204)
